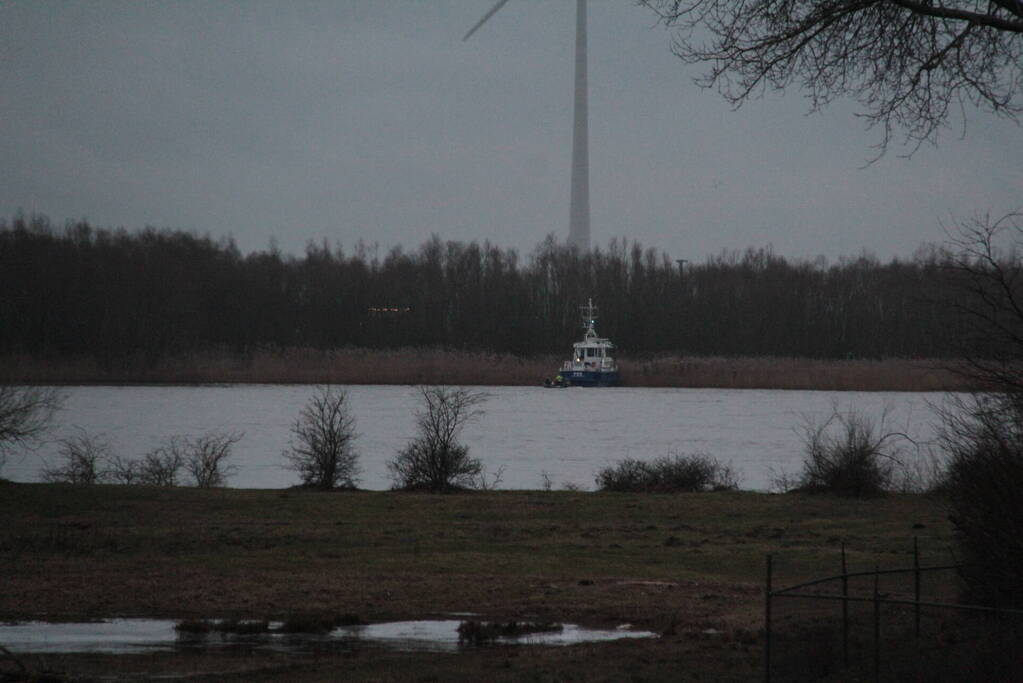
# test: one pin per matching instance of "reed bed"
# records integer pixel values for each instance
(466, 368)
(892, 374)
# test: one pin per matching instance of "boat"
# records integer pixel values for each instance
(592, 363)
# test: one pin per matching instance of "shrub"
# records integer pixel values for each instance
(984, 485)
(161, 466)
(321, 447)
(434, 460)
(123, 470)
(204, 458)
(25, 415)
(848, 455)
(668, 474)
(82, 457)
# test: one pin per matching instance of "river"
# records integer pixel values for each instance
(569, 434)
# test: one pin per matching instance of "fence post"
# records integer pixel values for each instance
(767, 623)
(916, 584)
(877, 625)
(845, 610)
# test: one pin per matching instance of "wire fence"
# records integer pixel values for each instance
(859, 618)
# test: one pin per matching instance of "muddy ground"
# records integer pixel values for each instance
(689, 566)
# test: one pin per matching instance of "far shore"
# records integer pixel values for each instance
(440, 366)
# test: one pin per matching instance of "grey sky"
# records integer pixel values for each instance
(372, 120)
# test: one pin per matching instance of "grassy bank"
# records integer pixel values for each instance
(684, 564)
(438, 366)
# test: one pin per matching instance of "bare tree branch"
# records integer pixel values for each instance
(972, 17)
(907, 62)
(25, 415)
(990, 279)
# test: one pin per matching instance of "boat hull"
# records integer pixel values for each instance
(590, 378)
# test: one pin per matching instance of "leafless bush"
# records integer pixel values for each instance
(488, 482)
(25, 414)
(162, 465)
(122, 470)
(81, 457)
(984, 486)
(850, 455)
(322, 442)
(205, 458)
(434, 460)
(669, 474)
(782, 481)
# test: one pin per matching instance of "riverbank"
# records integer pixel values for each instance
(439, 366)
(689, 566)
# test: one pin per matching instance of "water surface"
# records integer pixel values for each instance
(569, 434)
(133, 636)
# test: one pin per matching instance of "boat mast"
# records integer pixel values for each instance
(589, 313)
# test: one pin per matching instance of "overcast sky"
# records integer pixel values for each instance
(371, 120)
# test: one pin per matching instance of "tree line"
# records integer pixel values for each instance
(80, 291)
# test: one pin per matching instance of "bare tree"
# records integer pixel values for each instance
(434, 460)
(322, 442)
(982, 434)
(25, 414)
(81, 460)
(908, 62)
(986, 267)
(205, 458)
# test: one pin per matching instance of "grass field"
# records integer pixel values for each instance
(687, 565)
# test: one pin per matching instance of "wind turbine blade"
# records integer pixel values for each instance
(492, 12)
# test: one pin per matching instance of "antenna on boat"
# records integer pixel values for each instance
(589, 313)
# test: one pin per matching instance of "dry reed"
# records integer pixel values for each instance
(892, 374)
(467, 368)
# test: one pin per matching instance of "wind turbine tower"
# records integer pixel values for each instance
(579, 207)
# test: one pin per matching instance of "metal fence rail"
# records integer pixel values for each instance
(876, 598)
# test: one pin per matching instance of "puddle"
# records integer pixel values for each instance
(116, 636)
(442, 635)
(131, 636)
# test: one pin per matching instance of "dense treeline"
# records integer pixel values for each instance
(81, 291)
